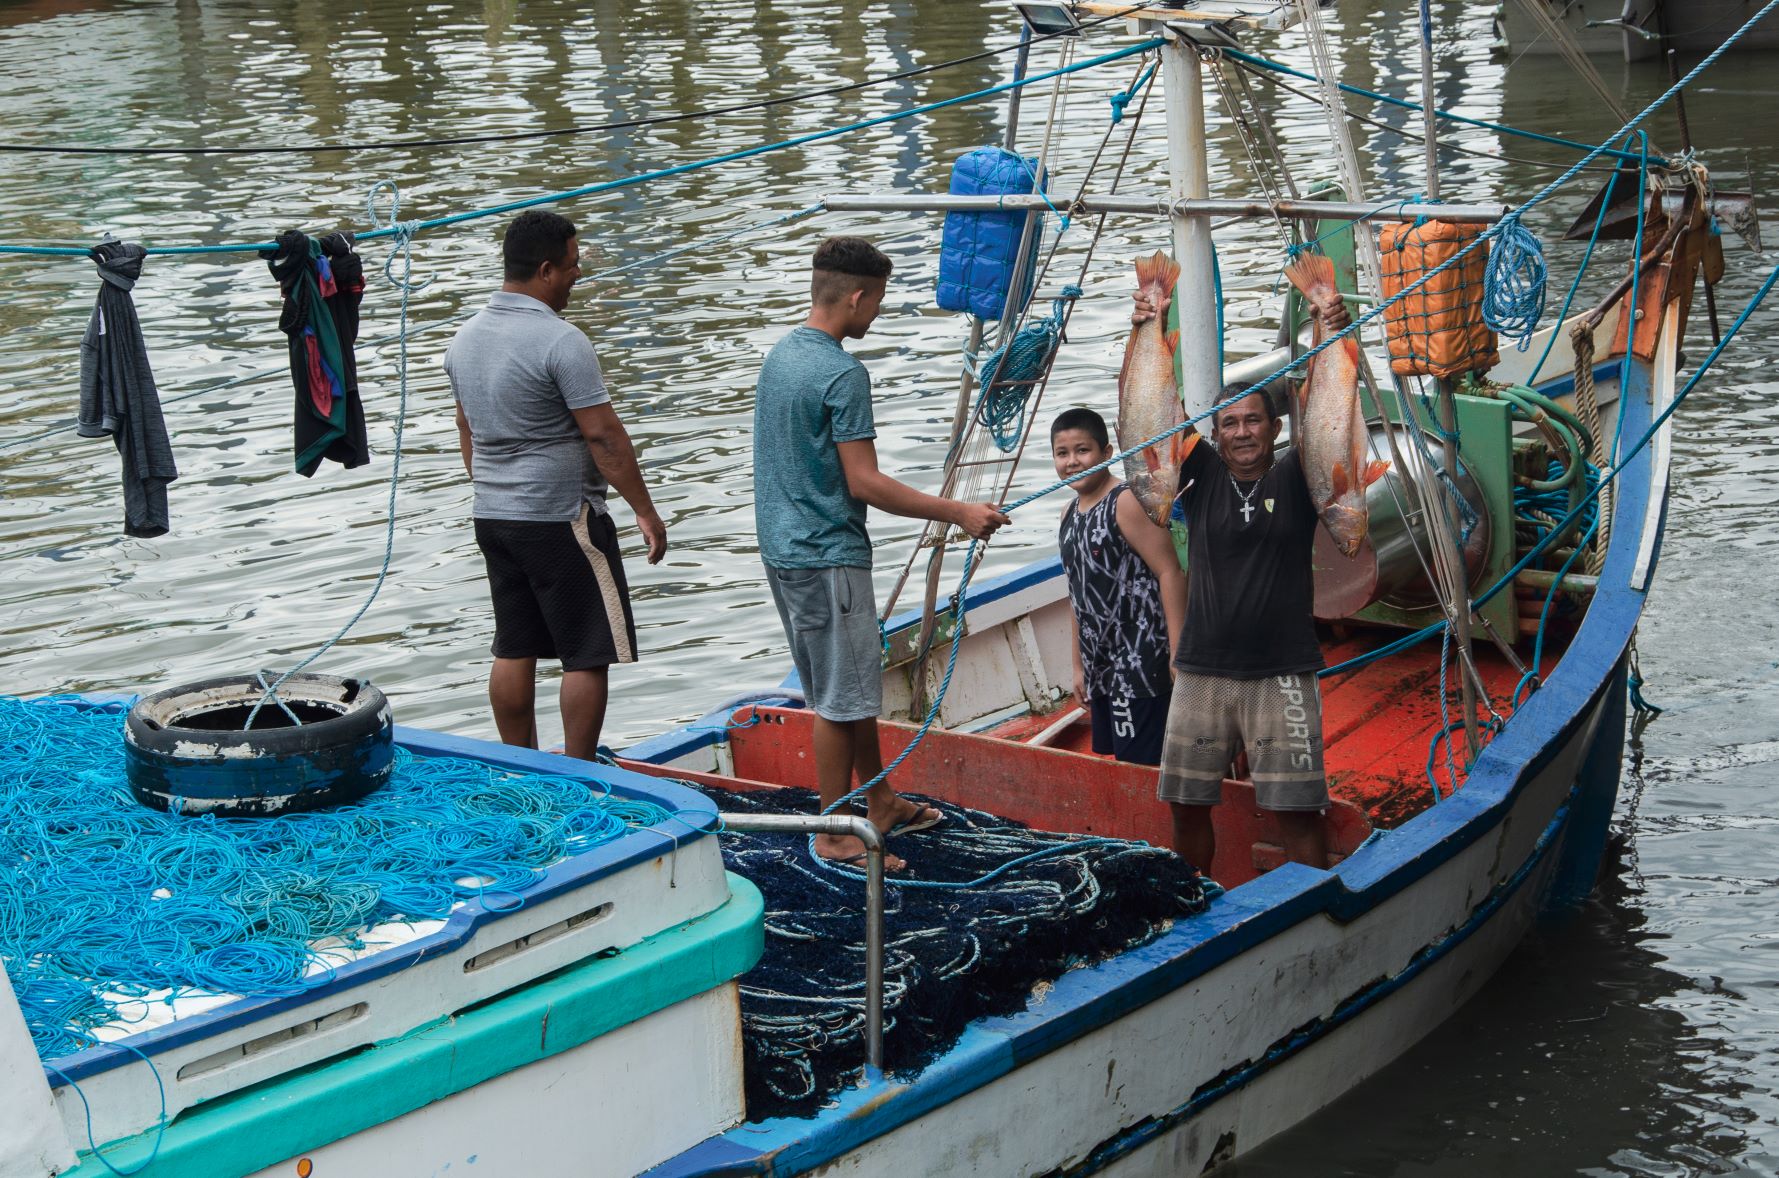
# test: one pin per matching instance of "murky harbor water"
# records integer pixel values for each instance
(1635, 1037)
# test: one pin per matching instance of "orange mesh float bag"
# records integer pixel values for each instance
(1438, 329)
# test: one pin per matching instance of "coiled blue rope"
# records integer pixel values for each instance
(1010, 372)
(1514, 283)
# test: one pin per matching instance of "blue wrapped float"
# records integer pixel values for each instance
(977, 259)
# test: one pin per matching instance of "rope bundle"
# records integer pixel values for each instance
(1010, 372)
(112, 908)
(1513, 284)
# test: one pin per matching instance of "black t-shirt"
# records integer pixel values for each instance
(1249, 585)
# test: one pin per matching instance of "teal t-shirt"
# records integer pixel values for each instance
(811, 395)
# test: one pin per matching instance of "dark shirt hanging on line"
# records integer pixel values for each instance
(117, 392)
(323, 283)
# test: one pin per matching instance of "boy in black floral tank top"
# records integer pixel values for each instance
(1126, 592)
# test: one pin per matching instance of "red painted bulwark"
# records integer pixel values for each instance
(1046, 788)
(1377, 722)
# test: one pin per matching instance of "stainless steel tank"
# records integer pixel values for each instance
(1388, 568)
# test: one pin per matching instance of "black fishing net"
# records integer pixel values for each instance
(950, 956)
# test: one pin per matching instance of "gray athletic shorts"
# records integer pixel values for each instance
(830, 617)
(1277, 719)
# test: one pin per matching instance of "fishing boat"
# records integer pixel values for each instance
(594, 1016)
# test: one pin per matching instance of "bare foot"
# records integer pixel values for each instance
(850, 850)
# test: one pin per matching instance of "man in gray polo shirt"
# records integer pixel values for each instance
(815, 470)
(541, 443)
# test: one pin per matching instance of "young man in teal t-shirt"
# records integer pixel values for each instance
(815, 471)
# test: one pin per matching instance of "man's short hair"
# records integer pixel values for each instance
(1085, 420)
(536, 236)
(843, 265)
(1231, 390)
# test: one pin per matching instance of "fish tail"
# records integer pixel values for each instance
(1313, 274)
(1158, 269)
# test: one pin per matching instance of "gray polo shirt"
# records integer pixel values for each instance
(518, 370)
(811, 395)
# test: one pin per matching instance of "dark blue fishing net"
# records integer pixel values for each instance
(951, 956)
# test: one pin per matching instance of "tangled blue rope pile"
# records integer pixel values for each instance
(950, 956)
(111, 907)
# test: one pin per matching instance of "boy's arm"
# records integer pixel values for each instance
(1156, 547)
(858, 459)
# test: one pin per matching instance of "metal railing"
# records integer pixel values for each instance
(865, 832)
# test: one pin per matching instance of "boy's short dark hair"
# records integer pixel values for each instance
(843, 265)
(536, 236)
(1085, 420)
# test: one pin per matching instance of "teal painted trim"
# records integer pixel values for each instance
(281, 1119)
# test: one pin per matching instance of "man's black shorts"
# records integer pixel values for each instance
(1130, 728)
(559, 590)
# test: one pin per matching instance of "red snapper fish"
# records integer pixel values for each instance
(1332, 446)
(1149, 400)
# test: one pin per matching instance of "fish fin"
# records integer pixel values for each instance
(1160, 269)
(1183, 443)
(1338, 481)
(1374, 470)
(1313, 274)
(1152, 459)
(1172, 340)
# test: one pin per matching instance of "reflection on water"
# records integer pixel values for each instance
(1655, 1000)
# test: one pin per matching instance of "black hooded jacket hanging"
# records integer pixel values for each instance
(323, 283)
(117, 393)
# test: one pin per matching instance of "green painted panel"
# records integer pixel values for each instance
(1486, 451)
(283, 1118)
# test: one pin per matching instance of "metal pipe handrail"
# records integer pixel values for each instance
(1308, 210)
(863, 830)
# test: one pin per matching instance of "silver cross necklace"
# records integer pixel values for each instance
(1247, 499)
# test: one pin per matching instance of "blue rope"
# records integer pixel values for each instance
(110, 902)
(160, 1124)
(1010, 372)
(1121, 100)
(644, 177)
(1513, 285)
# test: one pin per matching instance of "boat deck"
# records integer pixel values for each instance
(1377, 721)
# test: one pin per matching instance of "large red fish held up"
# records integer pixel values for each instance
(1332, 445)
(1149, 400)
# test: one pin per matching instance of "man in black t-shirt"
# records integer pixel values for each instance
(1248, 655)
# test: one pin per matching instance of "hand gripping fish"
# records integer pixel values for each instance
(1332, 446)
(1148, 400)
